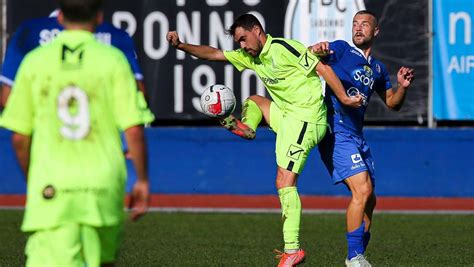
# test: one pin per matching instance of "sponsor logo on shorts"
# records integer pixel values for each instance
(294, 152)
(357, 160)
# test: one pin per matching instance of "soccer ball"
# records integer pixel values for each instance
(218, 101)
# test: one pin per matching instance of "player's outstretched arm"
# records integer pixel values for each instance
(22, 145)
(394, 100)
(200, 51)
(138, 154)
(336, 86)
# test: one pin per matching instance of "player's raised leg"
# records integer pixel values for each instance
(254, 108)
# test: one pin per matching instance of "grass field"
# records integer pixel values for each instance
(229, 239)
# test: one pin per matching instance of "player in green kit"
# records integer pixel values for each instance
(297, 113)
(71, 99)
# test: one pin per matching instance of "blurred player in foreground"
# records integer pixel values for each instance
(297, 113)
(70, 100)
(344, 151)
(40, 31)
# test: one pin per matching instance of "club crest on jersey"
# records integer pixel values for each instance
(368, 71)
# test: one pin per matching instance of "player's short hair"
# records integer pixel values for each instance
(246, 21)
(80, 10)
(367, 12)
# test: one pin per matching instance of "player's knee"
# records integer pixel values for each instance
(366, 190)
(282, 183)
(285, 178)
(259, 100)
(255, 98)
(362, 192)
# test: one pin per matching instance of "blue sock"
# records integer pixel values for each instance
(355, 243)
(366, 239)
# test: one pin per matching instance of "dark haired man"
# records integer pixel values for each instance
(69, 101)
(344, 151)
(297, 113)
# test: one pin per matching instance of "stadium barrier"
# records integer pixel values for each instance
(409, 162)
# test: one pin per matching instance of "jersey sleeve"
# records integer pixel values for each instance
(129, 109)
(298, 55)
(18, 113)
(339, 47)
(239, 59)
(125, 43)
(384, 84)
(14, 54)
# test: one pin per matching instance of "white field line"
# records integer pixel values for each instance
(276, 211)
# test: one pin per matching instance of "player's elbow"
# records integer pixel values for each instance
(392, 104)
(394, 107)
(217, 55)
(212, 58)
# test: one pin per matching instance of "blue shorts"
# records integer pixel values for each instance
(346, 155)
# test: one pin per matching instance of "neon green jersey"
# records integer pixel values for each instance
(73, 97)
(288, 71)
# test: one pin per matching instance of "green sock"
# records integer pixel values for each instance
(251, 114)
(291, 212)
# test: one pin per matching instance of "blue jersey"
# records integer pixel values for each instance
(359, 75)
(33, 33)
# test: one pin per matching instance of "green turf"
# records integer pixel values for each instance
(202, 239)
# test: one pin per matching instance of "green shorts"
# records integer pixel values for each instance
(73, 245)
(294, 139)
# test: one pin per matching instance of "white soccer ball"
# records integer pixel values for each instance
(218, 101)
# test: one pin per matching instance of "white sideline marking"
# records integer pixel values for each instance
(305, 211)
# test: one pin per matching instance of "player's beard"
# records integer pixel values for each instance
(257, 50)
(252, 52)
(364, 42)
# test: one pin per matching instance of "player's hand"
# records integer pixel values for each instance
(321, 49)
(405, 76)
(353, 101)
(139, 199)
(173, 38)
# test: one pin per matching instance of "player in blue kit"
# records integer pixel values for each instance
(35, 32)
(344, 151)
